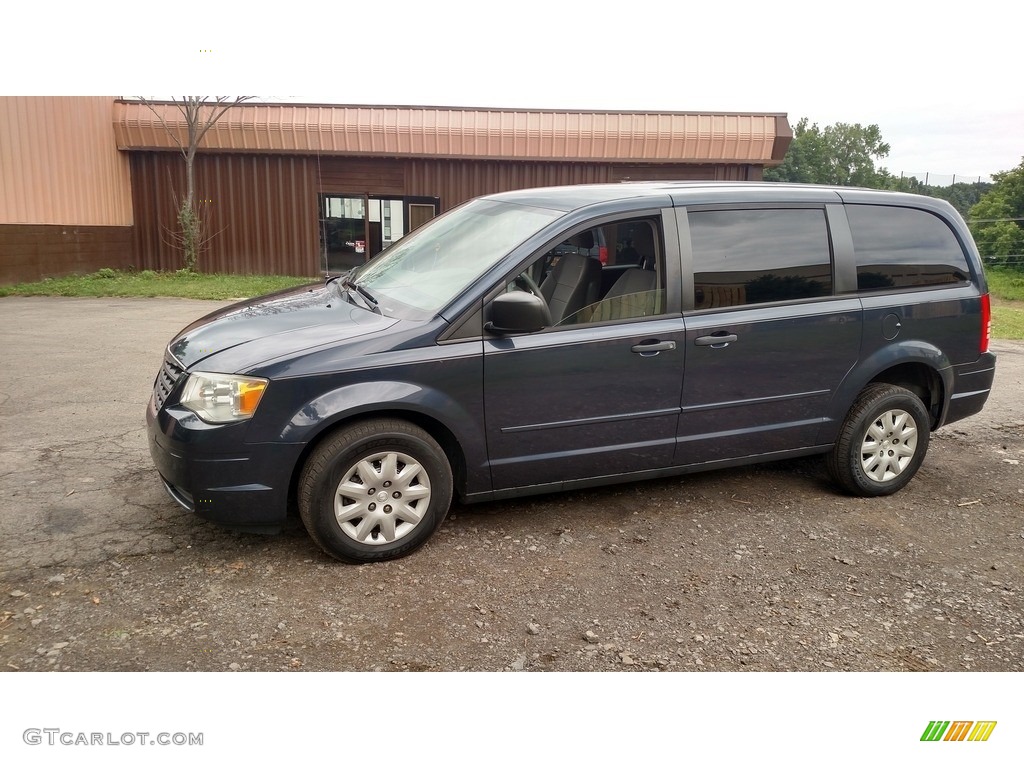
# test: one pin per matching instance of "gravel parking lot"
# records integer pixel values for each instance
(764, 568)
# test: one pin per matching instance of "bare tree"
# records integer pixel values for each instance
(200, 113)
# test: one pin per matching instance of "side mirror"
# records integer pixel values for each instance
(518, 312)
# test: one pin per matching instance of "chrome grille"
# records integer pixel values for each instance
(166, 378)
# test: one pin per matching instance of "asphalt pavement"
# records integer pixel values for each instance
(76, 481)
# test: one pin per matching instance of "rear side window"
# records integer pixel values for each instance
(904, 248)
(755, 256)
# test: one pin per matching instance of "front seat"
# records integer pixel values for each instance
(634, 294)
(571, 285)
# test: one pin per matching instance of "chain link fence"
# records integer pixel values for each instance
(930, 179)
(1012, 261)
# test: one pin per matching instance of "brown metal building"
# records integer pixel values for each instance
(91, 182)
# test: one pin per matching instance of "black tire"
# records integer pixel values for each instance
(389, 513)
(882, 442)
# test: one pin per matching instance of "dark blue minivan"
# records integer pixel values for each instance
(492, 354)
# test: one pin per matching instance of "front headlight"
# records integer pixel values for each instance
(220, 399)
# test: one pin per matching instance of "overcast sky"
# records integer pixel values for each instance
(944, 83)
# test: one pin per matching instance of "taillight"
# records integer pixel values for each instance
(986, 322)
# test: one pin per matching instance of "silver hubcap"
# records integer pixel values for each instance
(382, 498)
(889, 445)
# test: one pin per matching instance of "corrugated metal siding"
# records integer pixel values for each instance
(377, 176)
(686, 172)
(59, 163)
(30, 252)
(468, 133)
(456, 181)
(263, 210)
(260, 210)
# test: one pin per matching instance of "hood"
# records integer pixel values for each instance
(268, 327)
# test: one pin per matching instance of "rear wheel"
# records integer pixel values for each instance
(375, 490)
(882, 442)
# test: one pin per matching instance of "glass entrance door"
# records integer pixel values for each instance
(342, 232)
(386, 222)
(355, 228)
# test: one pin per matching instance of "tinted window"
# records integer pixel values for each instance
(756, 256)
(904, 248)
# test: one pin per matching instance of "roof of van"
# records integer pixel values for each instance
(568, 198)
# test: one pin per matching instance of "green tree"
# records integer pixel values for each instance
(906, 184)
(841, 154)
(997, 219)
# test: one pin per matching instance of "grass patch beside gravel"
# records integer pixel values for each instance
(1006, 284)
(181, 284)
(1007, 289)
(1007, 320)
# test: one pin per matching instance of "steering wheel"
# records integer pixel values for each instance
(523, 282)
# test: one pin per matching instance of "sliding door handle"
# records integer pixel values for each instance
(716, 340)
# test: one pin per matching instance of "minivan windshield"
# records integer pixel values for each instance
(429, 267)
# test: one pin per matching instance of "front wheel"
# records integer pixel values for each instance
(882, 442)
(374, 491)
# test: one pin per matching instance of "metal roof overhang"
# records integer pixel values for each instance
(475, 134)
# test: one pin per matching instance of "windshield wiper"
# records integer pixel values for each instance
(371, 302)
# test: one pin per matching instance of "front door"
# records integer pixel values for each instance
(342, 232)
(597, 394)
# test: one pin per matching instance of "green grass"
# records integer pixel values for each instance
(1007, 289)
(1007, 320)
(1006, 284)
(187, 285)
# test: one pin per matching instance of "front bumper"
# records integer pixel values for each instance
(209, 469)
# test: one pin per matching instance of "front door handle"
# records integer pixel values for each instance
(716, 340)
(650, 348)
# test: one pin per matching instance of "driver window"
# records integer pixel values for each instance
(610, 272)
